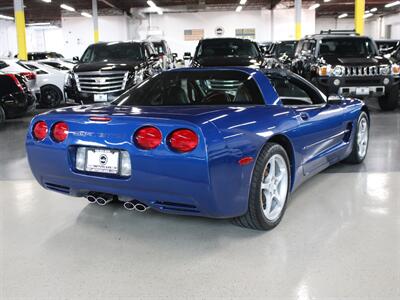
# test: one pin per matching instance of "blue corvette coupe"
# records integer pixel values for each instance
(215, 142)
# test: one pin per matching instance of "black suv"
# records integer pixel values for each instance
(166, 56)
(106, 70)
(280, 54)
(343, 63)
(228, 52)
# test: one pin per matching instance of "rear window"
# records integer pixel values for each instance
(194, 88)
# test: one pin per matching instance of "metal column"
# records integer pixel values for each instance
(20, 26)
(95, 17)
(359, 10)
(297, 7)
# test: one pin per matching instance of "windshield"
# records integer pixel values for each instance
(287, 48)
(346, 47)
(226, 47)
(194, 88)
(112, 52)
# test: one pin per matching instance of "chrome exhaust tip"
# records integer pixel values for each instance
(91, 199)
(103, 201)
(140, 207)
(129, 205)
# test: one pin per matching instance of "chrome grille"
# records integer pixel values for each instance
(101, 82)
(361, 71)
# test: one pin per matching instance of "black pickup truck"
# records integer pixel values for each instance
(106, 70)
(343, 63)
(228, 52)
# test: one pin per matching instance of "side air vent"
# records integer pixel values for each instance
(57, 188)
(173, 206)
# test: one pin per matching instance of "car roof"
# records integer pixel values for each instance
(226, 38)
(121, 42)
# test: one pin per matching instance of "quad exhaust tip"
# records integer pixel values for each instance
(136, 205)
(103, 199)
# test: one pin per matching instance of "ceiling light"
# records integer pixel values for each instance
(39, 24)
(368, 15)
(242, 2)
(239, 8)
(159, 11)
(342, 16)
(47, 1)
(151, 4)
(66, 7)
(86, 15)
(391, 4)
(327, 0)
(314, 6)
(373, 9)
(6, 17)
(366, 12)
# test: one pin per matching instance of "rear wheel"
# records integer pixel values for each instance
(390, 100)
(360, 141)
(51, 96)
(269, 190)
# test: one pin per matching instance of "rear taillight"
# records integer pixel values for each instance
(148, 137)
(29, 75)
(183, 140)
(40, 130)
(60, 132)
(16, 81)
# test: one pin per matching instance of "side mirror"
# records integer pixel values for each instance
(75, 58)
(306, 52)
(187, 56)
(174, 55)
(154, 57)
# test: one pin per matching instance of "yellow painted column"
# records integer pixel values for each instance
(359, 10)
(297, 7)
(20, 26)
(95, 17)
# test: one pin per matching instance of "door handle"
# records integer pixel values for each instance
(304, 116)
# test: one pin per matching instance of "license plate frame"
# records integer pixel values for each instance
(362, 91)
(100, 98)
(103, 161)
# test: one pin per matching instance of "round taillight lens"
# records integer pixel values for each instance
(40, 130)
(60, 132)
(183, 140)
(148, 137)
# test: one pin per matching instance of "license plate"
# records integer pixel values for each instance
(102, 161)
(362, 91)
(100, 98)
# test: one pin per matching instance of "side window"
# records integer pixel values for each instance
(299, 47)
(292, 91)
(312, 46)
(3, 65)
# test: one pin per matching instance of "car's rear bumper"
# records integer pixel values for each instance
(18, 104)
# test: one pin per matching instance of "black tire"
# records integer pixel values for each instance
(51, 96)
(2, 116)
(254, 218)
(390, 100)
(354, 157)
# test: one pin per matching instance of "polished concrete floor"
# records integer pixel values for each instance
(340, 238)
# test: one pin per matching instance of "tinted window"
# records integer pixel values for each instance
(292, 91)
(194, 88)
(346, 47)
(227, 47)
(112, 52)
(159, 47)
(3, 64)
(287, 48)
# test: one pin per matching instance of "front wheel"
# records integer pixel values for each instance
(390, 100)
(2, 115)
(269, 189)
(360, 141)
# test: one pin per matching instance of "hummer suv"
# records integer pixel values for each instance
(344, 63)
(106, 70)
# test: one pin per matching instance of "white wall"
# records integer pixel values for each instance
(8, 38)
(172, 25)
(374, 26)
(78, 32)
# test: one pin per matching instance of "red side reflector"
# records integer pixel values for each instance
(245, 160)
(100, 119)
(29, 75)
